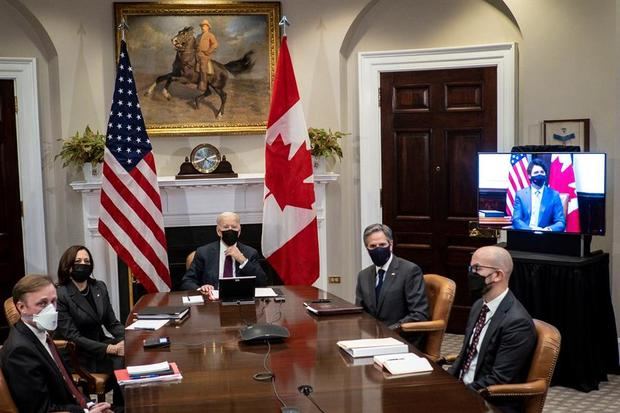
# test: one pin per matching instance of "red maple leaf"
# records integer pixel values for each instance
(285, 178)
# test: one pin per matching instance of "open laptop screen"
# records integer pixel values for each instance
(237, 290)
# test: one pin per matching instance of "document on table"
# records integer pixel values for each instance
(258, 293)
(193, 299)
(264, 293)
(147, 325)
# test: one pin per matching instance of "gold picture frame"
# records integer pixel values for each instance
(567, 132)
(163, 42)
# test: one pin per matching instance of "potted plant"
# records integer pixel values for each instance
(84, 151)
(324, 145)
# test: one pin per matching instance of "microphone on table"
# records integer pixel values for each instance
(306, 390)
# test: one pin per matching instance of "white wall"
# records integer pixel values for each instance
(567, 64)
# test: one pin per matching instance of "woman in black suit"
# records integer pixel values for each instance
(84, 310)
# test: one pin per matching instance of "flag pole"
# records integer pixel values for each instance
(283, 23)
(123, 27)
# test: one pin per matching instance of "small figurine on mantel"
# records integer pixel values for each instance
(205, 161)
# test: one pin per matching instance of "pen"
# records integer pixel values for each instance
(322, 300)
(145, 328)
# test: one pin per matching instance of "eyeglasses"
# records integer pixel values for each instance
(476, 267)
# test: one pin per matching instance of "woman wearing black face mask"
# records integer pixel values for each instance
(84, 308)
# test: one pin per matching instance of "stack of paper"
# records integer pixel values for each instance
(148, 373)
(373, 347)
(150, 325)
(404, 363)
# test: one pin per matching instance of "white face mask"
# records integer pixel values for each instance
(47, 319)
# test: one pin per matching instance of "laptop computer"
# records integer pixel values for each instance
(237, 290)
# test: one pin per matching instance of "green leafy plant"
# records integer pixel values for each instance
(325, 143)
(80, 149)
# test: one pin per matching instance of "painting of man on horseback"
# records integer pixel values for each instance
(215, 79)
(193, 64)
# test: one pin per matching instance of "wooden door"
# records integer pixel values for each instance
(11, 244)
(433, 124)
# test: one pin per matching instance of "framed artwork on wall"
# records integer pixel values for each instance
(202, 68)
(567, 132)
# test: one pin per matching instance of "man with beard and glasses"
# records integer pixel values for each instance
(224, 258)
(392, 289)
(500, 336)
(538, 206)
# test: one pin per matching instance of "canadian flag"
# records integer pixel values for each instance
(290, 238)
(562, 179)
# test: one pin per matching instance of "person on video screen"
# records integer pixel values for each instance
(538, 207)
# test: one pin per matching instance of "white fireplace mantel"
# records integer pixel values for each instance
(194, 202)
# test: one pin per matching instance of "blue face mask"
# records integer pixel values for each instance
(539, 180)
(379, 255)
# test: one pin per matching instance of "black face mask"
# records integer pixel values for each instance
(380, 255)
(230, 237)
(477, 285)
(81, 272)
(539, 180)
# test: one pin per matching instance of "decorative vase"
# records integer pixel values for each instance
(319, 164)
(92, 172)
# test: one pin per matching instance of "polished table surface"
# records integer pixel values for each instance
(218, 370)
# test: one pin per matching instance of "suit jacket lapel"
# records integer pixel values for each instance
(528, 204)
(81, 301)
(546, 195)
(496, 321)
(30, 335)
(98, 298)
(388, 279)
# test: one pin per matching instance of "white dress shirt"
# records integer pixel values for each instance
(223, 258)
(537, 195)
(468, 376)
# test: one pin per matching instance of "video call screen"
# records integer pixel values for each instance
(558, 192)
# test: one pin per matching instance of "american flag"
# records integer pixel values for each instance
(131, 219)
(517, 179)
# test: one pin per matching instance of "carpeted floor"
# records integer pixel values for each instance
(562, 399)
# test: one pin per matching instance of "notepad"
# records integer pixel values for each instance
(398, 364)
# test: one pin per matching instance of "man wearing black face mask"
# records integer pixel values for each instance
(224, 258)
(538, 207)
(392, 289)
(500, 334)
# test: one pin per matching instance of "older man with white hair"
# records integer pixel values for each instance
(224, 258)
(500, 336)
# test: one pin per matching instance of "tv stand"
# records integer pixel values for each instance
(574, 245)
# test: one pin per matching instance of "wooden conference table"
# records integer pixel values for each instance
(217, 370)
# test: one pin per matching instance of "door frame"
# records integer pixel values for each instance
(370, 66)
(23, 71)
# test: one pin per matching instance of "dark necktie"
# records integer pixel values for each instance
(77, 395)
(380, 275)
(472, 351)
(228, 269)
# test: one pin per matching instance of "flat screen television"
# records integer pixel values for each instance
(542, 191)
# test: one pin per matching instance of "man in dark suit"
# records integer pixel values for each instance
(500, 336)
(392, 289)
(215, 260)
(36, 377)
(538, 206)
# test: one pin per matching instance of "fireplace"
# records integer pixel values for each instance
(190, 208)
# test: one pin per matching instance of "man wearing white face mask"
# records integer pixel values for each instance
(37, 378)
